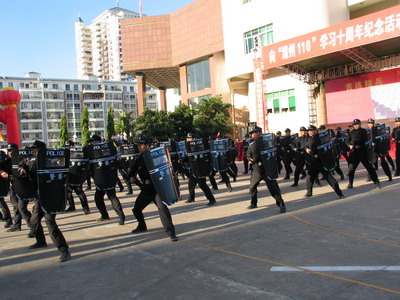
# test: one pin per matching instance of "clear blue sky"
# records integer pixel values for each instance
(38, 35)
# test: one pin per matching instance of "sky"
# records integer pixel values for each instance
(39, 35)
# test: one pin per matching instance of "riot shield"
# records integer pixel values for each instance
(23, 186)
(219, 155)
(159, 164)
(326, 151)
(199, 157)
(182, 154)
(129, 154)
(103, 163)
(268, 153)
(388, 138)
(381, 140)
(343, 141)
(173, 153)
(4, 182)
(79, 165)
(369, 147)
(52, 176)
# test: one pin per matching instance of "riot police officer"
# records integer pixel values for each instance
(315, 165)
(200, 180)
(286, 152)
(5, 170)
(377, 145)
(103, 172)
(148, 193)
(396, 139)
(299, 148)
(38, 213)
(258, 173)
(246, 144)
(81, 166)
(358, 153)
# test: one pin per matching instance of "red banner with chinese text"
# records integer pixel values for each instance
(375, 27)
(260, 97)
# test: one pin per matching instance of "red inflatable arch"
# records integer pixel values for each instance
(9, 98)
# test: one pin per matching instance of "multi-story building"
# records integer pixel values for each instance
(98, 45)
(45, 100)
(277, 62)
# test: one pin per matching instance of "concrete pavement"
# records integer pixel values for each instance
(225, 251)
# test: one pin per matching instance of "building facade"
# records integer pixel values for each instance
(98, 45)
(45, 100)
(217, 55)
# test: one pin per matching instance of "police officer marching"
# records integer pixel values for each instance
(396, 139)
(358, 153)
(148, 193)
(378, 145)
(38, 213)
(299, 148)
(315, 164)
(258, 172)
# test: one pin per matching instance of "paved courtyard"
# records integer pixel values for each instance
(322, 248)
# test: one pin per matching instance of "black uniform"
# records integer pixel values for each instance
(384, 164)
(286, 153)
(5, 166)
(358, 138)
(396, 138)
(315, 167)
(258, 174)
(147, 195)
(50, 219)
(299, 150)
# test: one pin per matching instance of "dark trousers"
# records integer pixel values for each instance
(398, 158)
(287, 160)
(354, 161)
(145, 197)
(203, 185)
(99, 200)
(5, 210)
(246, 163)
(89, 183)
(55, 233)
(338, 169)
(384, 165)
(272, 185)
(233, 170)
(313, 171)
(390, 161)
(224, 177)
(299, 163)
(81, 195)
(20, 209)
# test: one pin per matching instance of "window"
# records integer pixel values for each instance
(76, 87)
(55, 86)
(281, 102)
(1, 85)
(67, 87)
(46, 85)
(11, 85)
(258, 37)
(198, 76)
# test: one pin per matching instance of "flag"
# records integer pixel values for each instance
(140, 7)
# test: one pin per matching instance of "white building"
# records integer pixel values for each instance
(98, 45)
(45, 100)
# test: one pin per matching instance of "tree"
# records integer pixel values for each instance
(181, 121)
(63, 135)
(85, 126)
(110, 124)
(154, 124)
(211, 117)
(125, 123)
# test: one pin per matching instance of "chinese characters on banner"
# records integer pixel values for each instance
(379, 26)
(260, 100)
